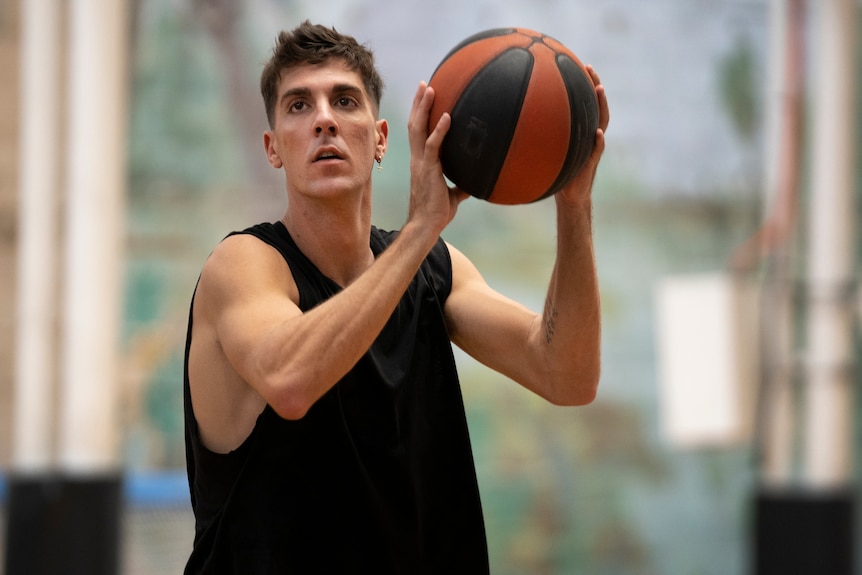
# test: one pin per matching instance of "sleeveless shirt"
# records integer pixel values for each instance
(377, 477)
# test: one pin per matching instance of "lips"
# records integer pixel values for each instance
(328, 154)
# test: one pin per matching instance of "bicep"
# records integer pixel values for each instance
(246, 290)
(492, 328)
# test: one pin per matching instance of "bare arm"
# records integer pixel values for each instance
(248, 301)
(277, 349)
(556, 354)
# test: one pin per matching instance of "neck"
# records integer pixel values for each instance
(334, 237)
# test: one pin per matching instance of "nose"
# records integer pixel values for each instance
(325, 120)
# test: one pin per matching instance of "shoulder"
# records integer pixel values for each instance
(438, 269)
(241, 266)
(463, 270)
(239, 256)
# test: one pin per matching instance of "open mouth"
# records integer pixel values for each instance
(329, 155)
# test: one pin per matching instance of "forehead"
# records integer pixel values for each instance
(323, 76)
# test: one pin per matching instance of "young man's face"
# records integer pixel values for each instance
(325, 134)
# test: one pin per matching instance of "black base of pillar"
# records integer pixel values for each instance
(63, 525)
(804, 532)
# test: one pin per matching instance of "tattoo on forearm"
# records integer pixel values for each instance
(550, 321)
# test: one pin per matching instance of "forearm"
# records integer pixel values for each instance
(349, 322)
(570, 334)
(305, 356)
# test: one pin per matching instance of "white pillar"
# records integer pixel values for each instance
(831, 256)
(35, 359)
(783, 152)
(96, 152)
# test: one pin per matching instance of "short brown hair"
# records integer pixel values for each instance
(315, 44)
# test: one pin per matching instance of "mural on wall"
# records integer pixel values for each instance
(591, 489)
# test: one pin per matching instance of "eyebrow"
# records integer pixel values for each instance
(302, 91)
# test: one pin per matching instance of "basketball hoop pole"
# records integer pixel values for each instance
(806, 525)
(64, 517)
(831, 255)
(35, 359)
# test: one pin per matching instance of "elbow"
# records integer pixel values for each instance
(576, 390)
(287, 398)
(290, 388)
(582, 396)
(290, 408)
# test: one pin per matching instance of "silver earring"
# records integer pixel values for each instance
(379, 163)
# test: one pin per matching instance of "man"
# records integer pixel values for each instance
(325, 429)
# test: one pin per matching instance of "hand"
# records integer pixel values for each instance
(580, 188)
(431, 200)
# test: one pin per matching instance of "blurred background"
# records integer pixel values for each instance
(684, 185)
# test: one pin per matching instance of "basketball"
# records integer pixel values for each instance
(524, 115)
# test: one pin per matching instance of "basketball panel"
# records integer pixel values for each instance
(493, 32)
(483, 122)
(460, 67)
(537, 152)
(585, 119)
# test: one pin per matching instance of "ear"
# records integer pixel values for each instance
(382, 129)
(271, 149)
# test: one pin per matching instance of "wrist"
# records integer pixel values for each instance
(419, 235)
(581, 203)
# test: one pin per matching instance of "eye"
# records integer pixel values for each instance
(297, 106)
(345, 101)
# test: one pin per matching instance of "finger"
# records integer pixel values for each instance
(596, 154)
(601, 97)
(435, 138)
(420, 92)
(594, 76)
(604, 109)
(427, 100)
(599, 147)
(417, 123)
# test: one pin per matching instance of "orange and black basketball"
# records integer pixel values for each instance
(524, 115)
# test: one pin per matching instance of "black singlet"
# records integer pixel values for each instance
(378, 477)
